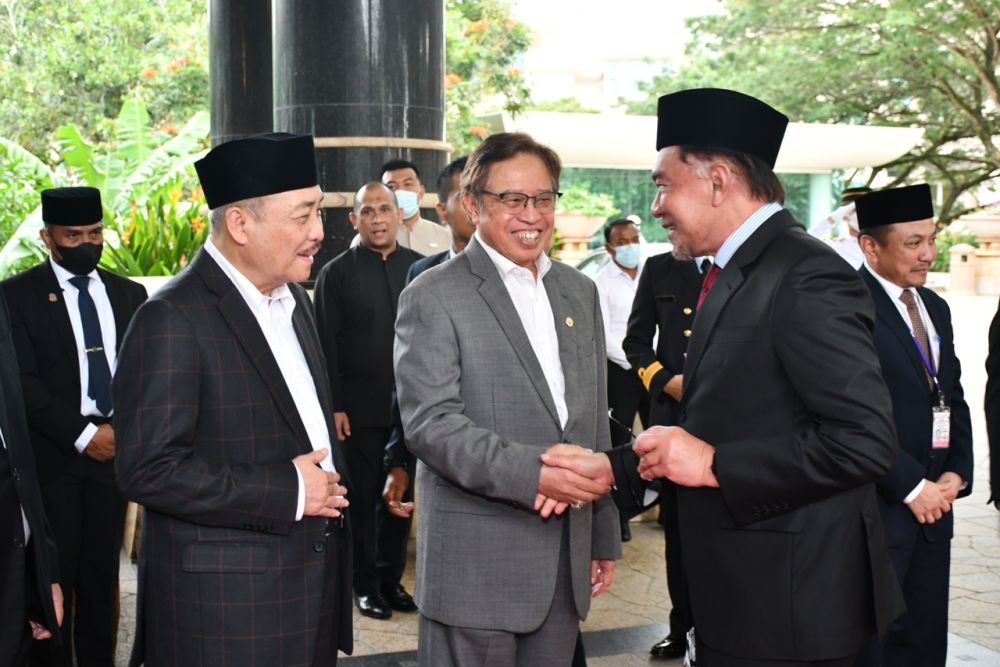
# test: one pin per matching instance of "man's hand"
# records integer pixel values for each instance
(39, 631)
(950, 484)
(930, 504)
(565, 486)
(594, 465)
(672, 452)
(602, 572)
(324, 496)
(343, 426)
(102, 446)
(396, 483)
(674, 386)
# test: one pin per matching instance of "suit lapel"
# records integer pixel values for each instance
(495, 295)
(47, 286)
(247, 332)
(726, 284)
(562, 316)
(892, 319)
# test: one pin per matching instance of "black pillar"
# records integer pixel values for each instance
(239, 42)
(356, 69)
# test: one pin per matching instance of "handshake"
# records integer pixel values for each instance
(573, 475)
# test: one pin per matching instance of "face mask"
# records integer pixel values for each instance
(628, 255)
(82, 259)
(408, 202)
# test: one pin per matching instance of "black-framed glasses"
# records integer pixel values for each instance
(544, 202)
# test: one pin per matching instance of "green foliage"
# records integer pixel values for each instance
(153, 219)
(909, 63)
(947, 238)
(83, 59)
(579, 199)
(482, 45)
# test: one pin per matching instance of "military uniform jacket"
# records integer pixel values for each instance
(665, 301)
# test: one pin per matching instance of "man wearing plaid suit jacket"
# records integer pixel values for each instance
(224, 433)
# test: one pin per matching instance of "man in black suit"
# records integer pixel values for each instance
(226, 435)
(68, 318)
(395, 515)
(30, 599)
(916, 349)
(663, 310)
(356, 328)
(992, 408)
(784, 422)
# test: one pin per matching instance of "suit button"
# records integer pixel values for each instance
(16, 473)
(687, 333)
(688, 311)
(319, 546)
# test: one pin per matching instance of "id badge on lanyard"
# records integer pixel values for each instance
(941, 414)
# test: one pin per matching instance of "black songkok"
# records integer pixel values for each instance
(718, 118)
(888, 207)
(72, 207)
(260, 165)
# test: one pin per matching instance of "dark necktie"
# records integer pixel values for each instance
(706, 266)
(99, 387)
(919, 332)
(708, 282)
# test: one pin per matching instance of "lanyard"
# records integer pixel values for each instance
(929, 366)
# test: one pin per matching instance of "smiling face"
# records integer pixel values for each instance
(905, 252)
(277, 245)
(523, 234)
(683, 203)
(376, 217)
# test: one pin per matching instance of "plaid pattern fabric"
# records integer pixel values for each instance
(206, 431)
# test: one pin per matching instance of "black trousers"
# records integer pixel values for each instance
(393, 535)
(87, 514)
(626, 398)
(365, 451)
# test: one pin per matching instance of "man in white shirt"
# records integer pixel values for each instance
(616, 284)
(499, 355)
(224, 419)
(68, 318)
(916, 349)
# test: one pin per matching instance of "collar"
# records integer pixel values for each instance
(743, 232)
(506, 267)
(253, 296)
(64, 276)
(892, 289)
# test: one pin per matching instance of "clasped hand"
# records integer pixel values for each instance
(324, 494)
(571, 475)
(671, 452)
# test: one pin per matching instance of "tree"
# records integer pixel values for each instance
(482, 44)
(908, 63)
(81, 60)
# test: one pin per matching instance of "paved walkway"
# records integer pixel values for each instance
(627, 620)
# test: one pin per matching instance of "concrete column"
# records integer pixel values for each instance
(821, 200)
(239, 44)
(366, 78)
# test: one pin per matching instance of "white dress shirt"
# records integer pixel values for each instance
(532, 305)
(274, 315)
(934, 340)
(616, 290)
(109, 336)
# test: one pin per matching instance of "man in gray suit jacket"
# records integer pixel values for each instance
(499, 356)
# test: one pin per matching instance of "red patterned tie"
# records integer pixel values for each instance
(707, 283)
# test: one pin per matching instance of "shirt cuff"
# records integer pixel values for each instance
(300, 505)
(915, 492)
(84, 439)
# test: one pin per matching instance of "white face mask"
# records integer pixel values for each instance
(628, 255)
(408, 202)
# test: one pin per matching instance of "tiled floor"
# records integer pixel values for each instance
(627, 620)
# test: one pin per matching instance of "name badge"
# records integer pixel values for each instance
(941, 429)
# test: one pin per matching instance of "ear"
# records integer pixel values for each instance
(442, 212)
(353, 217)
(609, 248)
(237, 219)
(721, 178)
(869, 246)
(469, 202)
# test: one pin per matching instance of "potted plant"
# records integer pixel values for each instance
(579, 214)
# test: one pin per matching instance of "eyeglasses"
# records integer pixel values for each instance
(544, 202)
